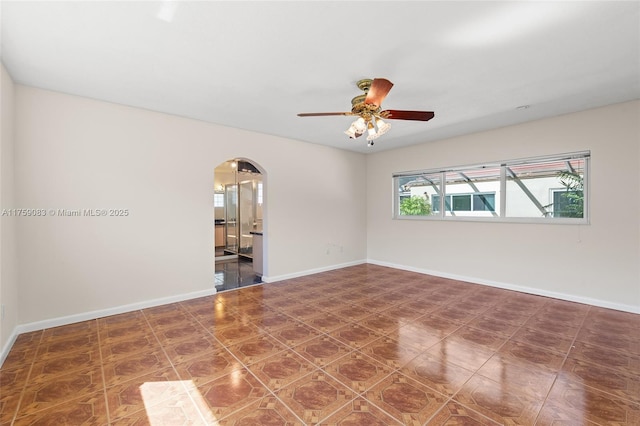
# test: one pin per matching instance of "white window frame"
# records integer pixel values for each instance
(500, 197)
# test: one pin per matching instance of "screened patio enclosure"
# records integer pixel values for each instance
(549, 188)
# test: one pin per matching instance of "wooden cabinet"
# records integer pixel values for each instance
(219, 236)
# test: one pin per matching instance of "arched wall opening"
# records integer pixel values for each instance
(239, 214)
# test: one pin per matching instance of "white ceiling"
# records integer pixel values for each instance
(255, 65)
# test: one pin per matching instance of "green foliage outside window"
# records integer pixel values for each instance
(415, 206)
(571, 202)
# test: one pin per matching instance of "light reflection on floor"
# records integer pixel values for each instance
(175, 402)
(230, 274)
(364, 344)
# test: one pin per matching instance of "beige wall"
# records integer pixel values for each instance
(76, 153)
(8, 273)
(597, 263)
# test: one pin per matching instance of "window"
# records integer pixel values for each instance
(549, 189)
(259, 195)
(218, 199)
(416, 194)
(484, 202)
(567, 203)
(466, 202)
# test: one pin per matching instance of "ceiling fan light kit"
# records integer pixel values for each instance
(369, 111)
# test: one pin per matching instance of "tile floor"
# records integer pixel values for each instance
(364, 345)
(231, 274)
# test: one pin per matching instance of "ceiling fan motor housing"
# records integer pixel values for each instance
(364, 84)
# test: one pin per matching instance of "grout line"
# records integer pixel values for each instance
(357, 394)
(24, 386)
(104, 380)
(234, 308)
(564, 360)
(173, 367)
(245, 366)
(317, 368)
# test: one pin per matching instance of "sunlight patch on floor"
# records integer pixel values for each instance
(175, 402)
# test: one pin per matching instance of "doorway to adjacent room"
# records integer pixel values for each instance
(238, 205)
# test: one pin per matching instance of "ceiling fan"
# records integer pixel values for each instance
(368, 109)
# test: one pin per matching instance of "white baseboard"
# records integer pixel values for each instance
(55, 322)
(86, 316)
(70, 319)
(8, 345)
(522, 289)
(272, 279)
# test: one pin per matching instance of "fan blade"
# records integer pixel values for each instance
(395, 114)
(378, 91)
(322, 114)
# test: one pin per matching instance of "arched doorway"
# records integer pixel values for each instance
(239, 188)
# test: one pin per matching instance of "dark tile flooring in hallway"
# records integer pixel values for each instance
(233, 273)
(364, 345)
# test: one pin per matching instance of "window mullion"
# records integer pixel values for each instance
(443, 191)
(503, 190)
